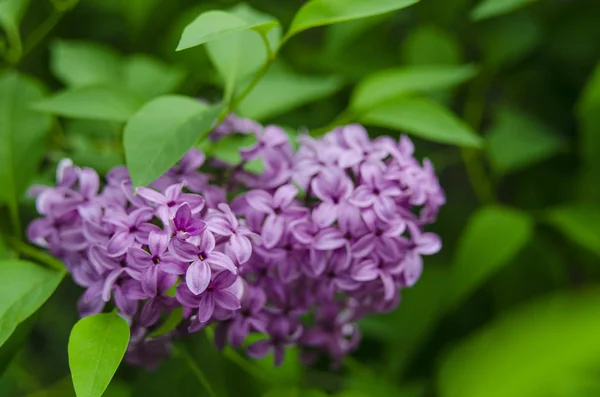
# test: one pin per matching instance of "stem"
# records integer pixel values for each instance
(41, 31)
(235, 358)
(36, 254)
(196, 370)
(473, 114)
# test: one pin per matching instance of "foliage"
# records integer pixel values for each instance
(502, 96)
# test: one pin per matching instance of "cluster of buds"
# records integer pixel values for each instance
(323, 236)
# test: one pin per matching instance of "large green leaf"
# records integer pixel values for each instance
(580, 223)
(213, 25)
(96, 347)
(393, 83)
(492, 8)
(160, 133)
(239, 55)
(27, 286)
(517, 140)
(79, 63)
(326, 12)
(492, 237)
(588, 112)
(98, 102)
(282, 90)
(22, 133)
(544, 348)
(423, 118)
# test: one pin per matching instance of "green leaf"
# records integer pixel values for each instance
(29, 287)
(326, 12)
(96, 347)
(580, 223)
(532, 351)
(170, 323)
(11, 14)
(590, 97)
(517, 140)
(213, 25)
(238, 56)
(80, 63)
(423, 118)
(492, 8)
(227, 148)
(160, 133)
(101, 102)
(282, 90)
(431, 45)
(393, 83)
(22, 135)
(588, 111)
(492, 237)
(15, 343)
(148, 78)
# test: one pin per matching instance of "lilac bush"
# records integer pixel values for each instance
(323, 236)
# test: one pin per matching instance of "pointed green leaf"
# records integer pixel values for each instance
(517, 140)
(96, 347)
(431, 45)
(29, 286)
(326, 12)
(580, 223)
(22, 136)
(282, 90)
(492, 237)
(213, 25)
(80, 63)
(492, 8)
(533, 351)
(160, 133)
(423, 118)
(101, 102)
(393, 83)
(148, 78)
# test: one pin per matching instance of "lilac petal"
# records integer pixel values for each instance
(120, 242)
(362, 197)
(329, 239)
(227, 300)
(388, 248)
(197, 277)
(240, 247)
(364, 246)
(224, 279)
(219, 226)
(414, 268)
(73, 240)
(110, 281)
(260, 201)
(186, 297)
(365, 271)
(158, 242)
(325, 214)
(302, 231)
(173, 267)
(119, 219)
(259, 349)
(140, 215)
(151, 195)
(182, 216)
(150, 280)
(207, 242)
(429, 244)
(349, 158)
(279, 353)
(165, 281)
(89, 182)
(272, 230)
(150, 312)
(138, 259)
(389, 288)
(183, 250)
(195, 201)
(385, 208)
(284, 196)
(38, 230)
(132, 289)
(126, 306)
(206, 307)
(88, 308)
(237, 332)
(99, 258)
(196, 227)
(317, 262)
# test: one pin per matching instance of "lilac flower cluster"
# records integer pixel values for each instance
(322, 237)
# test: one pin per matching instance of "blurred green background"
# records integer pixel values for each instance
(510, 307)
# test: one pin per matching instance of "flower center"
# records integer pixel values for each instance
(202, 256)
(155, 259)
(133, 229)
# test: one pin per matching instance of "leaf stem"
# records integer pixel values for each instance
(41, 31)
(36, 254)
(182, 352)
